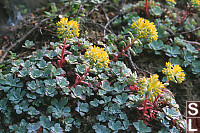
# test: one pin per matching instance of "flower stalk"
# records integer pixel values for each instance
(79, 79)
(147, 8)
(123, 50)
(61, 59)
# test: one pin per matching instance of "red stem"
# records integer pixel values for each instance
(123, 50)
(76, 83)
(146, 8)
(144, 107)
(60, 63)
(158, 97)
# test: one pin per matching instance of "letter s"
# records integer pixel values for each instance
(192, 108)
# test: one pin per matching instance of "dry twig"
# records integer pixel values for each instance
(28, 33)
(104, 32)
(192, 42)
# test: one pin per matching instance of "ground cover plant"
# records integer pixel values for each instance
(78, 84)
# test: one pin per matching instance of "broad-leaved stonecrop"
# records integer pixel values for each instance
(174, 73)
(97, 56)
(67, 29)
(150, 87)
(145, 29)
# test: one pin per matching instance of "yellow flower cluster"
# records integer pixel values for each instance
(97, 56)
(145, 29)
(172, 1)
(174, 73)
(67, 28)
(195, 3)
(150, 87)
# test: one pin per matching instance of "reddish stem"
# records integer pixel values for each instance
(80, 79)
(123, 50)
(147, 8)
(60, 62)
(156, 99)
(144, 107)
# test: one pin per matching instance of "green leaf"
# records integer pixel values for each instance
(21, 128)
(14, 69)
(95, 102)
(58, 72)
(80, 68)
(156, 11)
(82, 108)
(113, 108)
(171, 112)
(121, 99)
(28, 44)
(115, 125)
(51, 54)
(4, 82)
(16, 95)
(26, 64)
(39, 55)
(119, 87)
(31, 85)
(61, 81)
(45, 122)
(32, 111)
(100, 128)
(42, 64)
(47, 13)
(3, 105)
(172, 51)
(31, 96)
(196, 67)
(106, 99)
(77, 91)
(102, 76)
(56, 128)
(33, 127)
(74, 48)
(50, 91)
(103, 117)
(126, 124)
(68, 123)
(35, 73)
(23, 106)
(17, 62)
(23, 72)
(141, 127)
(191, 49)
(59, 108)
(176, 61)
(106, 85)
(50, 82)
(158, 45)
(71, 59)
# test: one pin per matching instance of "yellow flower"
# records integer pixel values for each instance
(67, 28)
(145, 29)
(151, 87)
(195, 3)
(174, 73)
(172, 1)
(97, 56)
